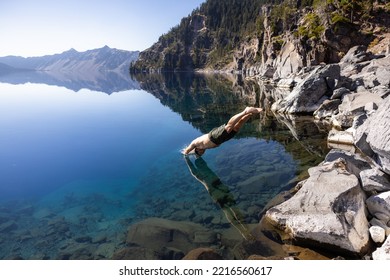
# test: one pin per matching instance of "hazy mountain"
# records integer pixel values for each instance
(104, 69)
(107, 82)
(6, 69)
(103, 59)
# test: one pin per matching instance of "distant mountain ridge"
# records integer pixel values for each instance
(6, 69)
(102, 59)
(105, 70)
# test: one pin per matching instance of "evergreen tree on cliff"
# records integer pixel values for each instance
(209, 37)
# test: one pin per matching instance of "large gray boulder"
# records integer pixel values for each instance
(373, 137)
(328, 211)
(311, 92)
(377, 73)
(356, 54)
(379, 207)
(374, 180)
(353, 105)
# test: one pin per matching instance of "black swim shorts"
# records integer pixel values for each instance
(219, 135)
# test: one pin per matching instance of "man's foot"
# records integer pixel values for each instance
(253, 110)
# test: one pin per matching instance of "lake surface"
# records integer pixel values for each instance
(80, 170)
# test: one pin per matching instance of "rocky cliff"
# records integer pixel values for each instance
(267, 38)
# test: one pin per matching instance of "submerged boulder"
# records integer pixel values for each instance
(165, 237)
(328, 211)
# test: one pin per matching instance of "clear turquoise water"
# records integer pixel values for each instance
(79, 167)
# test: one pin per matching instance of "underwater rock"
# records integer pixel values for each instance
(205, 237)
(100, 238)
(43, 213)
(156, 234)
(182, 215)
(169, 253)
(4, 218)
(83, 239)
(8, 227)
(202, 254)
(57, 226)
(25, 209)
(77, 251)
(105, 250)
(136, 253)
(300, 253)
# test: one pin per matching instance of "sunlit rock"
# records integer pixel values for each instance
(311, 92)
(382, 253)
(377, 234)
(328, 211)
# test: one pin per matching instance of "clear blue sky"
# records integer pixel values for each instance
(40, 27)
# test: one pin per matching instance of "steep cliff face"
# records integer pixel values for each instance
(313, 38)
(268, 38)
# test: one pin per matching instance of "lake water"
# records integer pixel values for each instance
(96, 175)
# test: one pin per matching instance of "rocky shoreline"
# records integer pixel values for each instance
(344, 206)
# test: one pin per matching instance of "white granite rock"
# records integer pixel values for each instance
(376, 222)
(382, 253)
(377, 234)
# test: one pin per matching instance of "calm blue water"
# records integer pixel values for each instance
(51, 137)
(77, 169)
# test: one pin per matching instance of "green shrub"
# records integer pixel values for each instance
(311, 27)
(338, 18)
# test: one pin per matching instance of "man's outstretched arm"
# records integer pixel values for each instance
(187, 150)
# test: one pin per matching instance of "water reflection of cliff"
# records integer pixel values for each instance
(208, 100)
(102, 81)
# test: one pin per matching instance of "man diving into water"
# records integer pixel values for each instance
(222, 133)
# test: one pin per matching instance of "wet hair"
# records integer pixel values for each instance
(199, 153)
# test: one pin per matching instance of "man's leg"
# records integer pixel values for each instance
(239, 119)
(241, 122)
